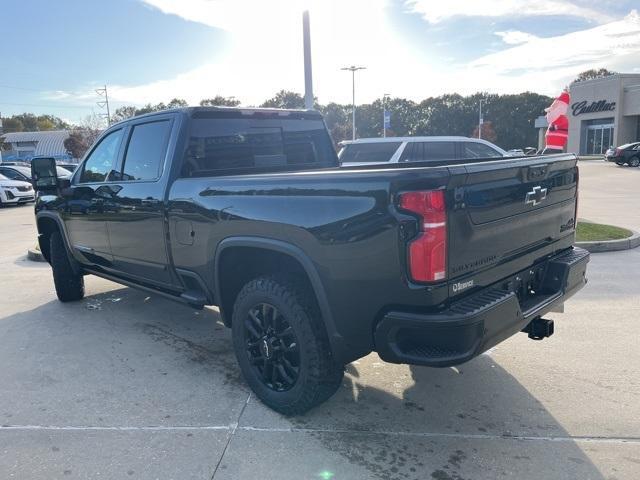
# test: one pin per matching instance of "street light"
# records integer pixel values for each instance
(384, 114)
(308, 81)
(353, 70)
(480, 121)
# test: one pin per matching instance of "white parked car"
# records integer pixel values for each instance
(366, 151)
(13, 192)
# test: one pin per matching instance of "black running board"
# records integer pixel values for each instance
(190, 297)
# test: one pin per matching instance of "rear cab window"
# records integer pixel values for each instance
(217, 145)
(377, 152)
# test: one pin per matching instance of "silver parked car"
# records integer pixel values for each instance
(367, 151)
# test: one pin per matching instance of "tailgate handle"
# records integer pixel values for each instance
(537, 172)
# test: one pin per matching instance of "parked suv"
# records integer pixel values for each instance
(22, 172)
(626, 154)
(366, 151)
(14, 192)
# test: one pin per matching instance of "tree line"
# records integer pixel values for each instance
(508, 119)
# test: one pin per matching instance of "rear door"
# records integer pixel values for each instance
(507, 210)
(137, 225)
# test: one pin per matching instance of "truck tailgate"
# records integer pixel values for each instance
(508, 212)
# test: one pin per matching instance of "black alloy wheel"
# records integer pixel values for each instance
(272, 347)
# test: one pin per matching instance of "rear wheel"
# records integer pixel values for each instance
(69, 285)
(634, 162)
(281, 345)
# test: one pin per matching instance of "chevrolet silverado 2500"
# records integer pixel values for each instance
(311, 265)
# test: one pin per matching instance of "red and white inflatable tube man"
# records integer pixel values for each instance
(558, 130)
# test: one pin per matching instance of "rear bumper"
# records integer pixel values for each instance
(475, 324)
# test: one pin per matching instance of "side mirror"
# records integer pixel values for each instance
(44, 174)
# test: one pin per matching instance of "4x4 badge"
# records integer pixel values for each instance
(535, 196)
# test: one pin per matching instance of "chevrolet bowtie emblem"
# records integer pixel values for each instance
(535, 196)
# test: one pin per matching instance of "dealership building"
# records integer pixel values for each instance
(604, 112)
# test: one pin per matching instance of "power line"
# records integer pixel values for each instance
(46, 106)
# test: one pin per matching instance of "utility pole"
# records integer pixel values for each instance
(104, 103)
(384, 114)
(480, 121)
(353, 69)
(308, 78)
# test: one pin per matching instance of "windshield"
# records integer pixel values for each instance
(377, 152)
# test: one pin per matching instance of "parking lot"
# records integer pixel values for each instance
(123, 385)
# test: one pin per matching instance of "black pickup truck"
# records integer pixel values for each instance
(312, 265)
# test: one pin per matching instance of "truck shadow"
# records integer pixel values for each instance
(169, 364)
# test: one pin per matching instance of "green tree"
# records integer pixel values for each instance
(593, 73)
(12, 124)
(122, 113)
(285, 99)
(45, 124)
(488, 133)
(220, 101)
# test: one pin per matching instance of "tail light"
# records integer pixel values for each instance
(427, 253)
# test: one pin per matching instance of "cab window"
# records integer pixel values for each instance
(102, 159)
(146, 150)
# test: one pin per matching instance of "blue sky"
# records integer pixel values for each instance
(154, 50)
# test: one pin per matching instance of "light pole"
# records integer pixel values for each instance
(308, 79)
(353, 70)
(384, 114)
(480, 121)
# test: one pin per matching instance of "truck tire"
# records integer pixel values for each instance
(69, 285)
(634, 162)
(281, 345)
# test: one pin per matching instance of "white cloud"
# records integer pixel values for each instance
(515, 37)
(435, 11)
(266, 55)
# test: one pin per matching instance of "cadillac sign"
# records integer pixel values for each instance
(579, 108)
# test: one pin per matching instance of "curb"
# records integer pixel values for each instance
(612, 245)
(35, 255)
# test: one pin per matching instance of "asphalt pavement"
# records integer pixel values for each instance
(126, 385)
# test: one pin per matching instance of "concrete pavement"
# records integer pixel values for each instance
(123, 385)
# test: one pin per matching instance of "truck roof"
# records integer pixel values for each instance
(236, 112)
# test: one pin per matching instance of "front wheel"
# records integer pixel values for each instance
(69, 284)
(281, 345)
